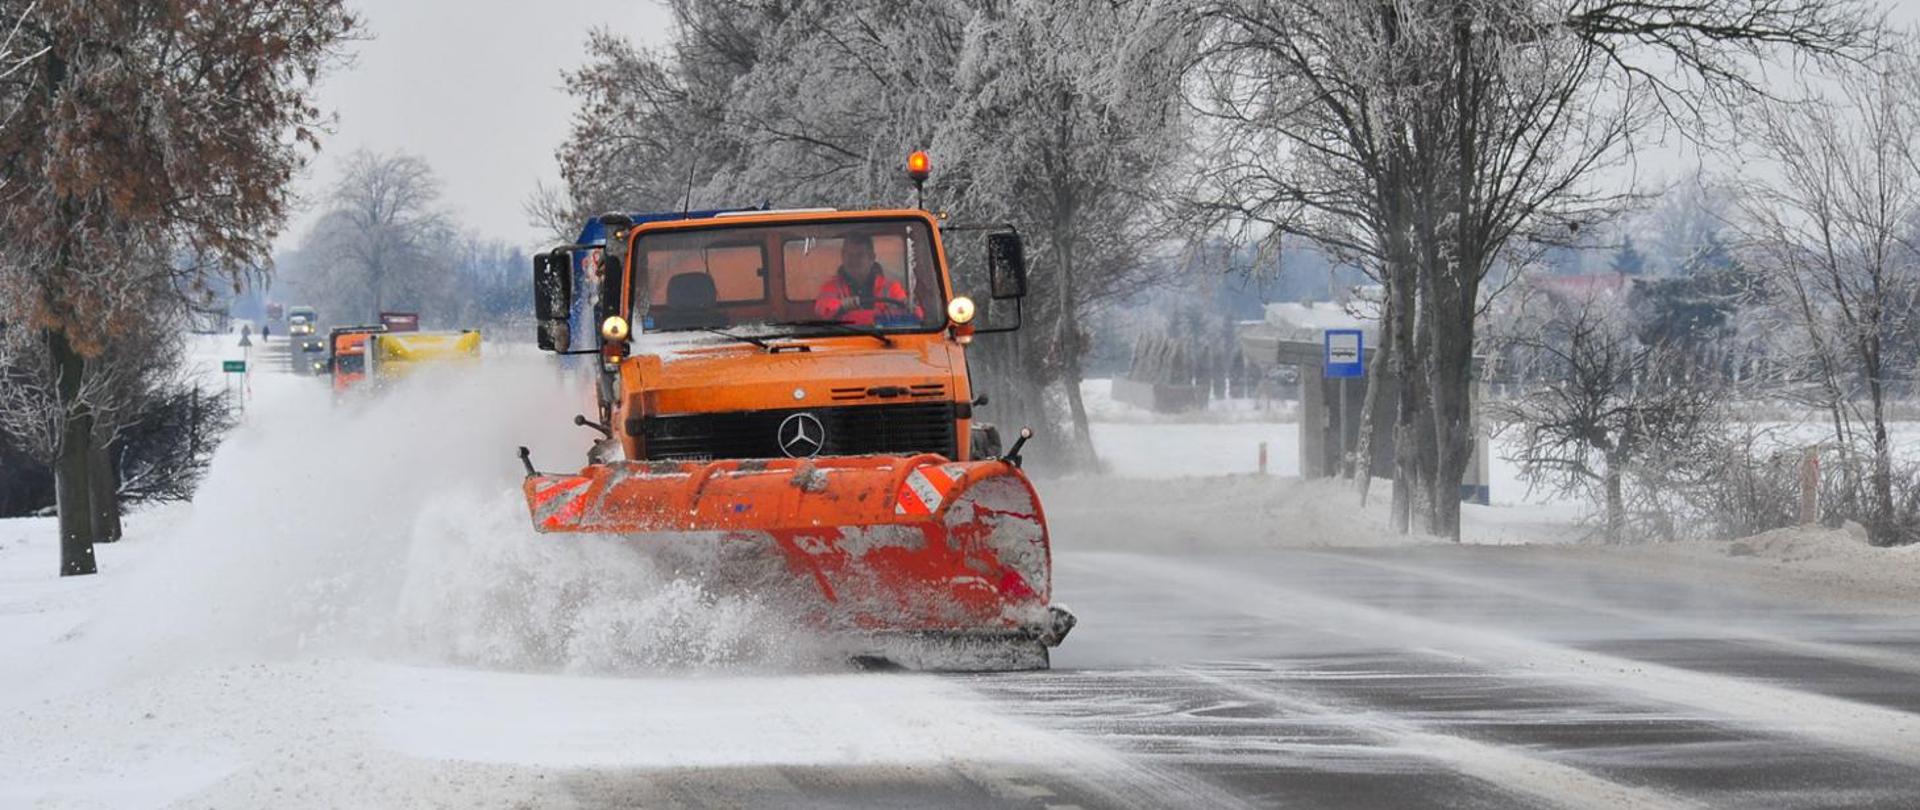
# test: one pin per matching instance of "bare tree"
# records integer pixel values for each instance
(147, 129)
(1836, 233)
(1426, 141)
(1610, 410)
(1307, 106)
(382, 242)
(1438, 141)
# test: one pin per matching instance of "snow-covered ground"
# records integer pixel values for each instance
(354, 599)
(353, 612)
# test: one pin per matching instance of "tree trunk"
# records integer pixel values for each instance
(1616, 504)
(1374, 402)
(1082, 429)
(1406, 433)
(1427, 492)
(1067, 343)
(1449, 392)
(73, 486)
(1884, 531)
(105, 492)
(1450, 295)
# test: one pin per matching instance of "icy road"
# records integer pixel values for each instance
(326, 627)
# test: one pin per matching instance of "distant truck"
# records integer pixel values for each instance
(302, 321)
(347, 355)
(377, 354)
(400, 321)
(308, 355)
(393, 355)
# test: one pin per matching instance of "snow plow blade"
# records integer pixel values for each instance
(923, 562)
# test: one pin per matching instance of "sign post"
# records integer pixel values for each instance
(1345, 359)
(228, 368)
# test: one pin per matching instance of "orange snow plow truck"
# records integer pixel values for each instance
(790, 388)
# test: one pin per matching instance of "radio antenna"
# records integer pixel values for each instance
(686, 207)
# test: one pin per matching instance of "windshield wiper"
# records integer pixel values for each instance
(846, 328)
(742, 338)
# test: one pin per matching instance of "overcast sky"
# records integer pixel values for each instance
(474, 87)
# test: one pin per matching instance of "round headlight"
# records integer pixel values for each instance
(614, 328)
(960, 309)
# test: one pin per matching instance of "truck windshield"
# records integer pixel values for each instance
(791, 278)
(350, 364)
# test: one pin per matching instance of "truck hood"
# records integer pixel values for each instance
(678, 373)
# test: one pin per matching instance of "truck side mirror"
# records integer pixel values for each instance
(552, 299)
(1006, 265)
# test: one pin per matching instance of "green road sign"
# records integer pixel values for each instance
(233, 366)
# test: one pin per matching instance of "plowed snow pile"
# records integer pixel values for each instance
(1805, 563)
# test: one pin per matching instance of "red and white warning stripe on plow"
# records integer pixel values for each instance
(559, 503)
(925, 489)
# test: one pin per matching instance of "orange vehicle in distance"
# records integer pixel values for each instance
(833, 459)
(347, 355)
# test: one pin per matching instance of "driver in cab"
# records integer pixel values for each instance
(860, 293)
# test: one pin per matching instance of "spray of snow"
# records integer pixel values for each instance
(392, 527)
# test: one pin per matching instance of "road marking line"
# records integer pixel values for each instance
(1503, 767)
(1882, 733)
(1029, 791)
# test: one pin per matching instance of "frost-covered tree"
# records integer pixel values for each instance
(1055, 117)
(143, 129)
(1609, 410)
(139, 390)
(1836, 234)
(1428, 140)
(1687, 229)
(1069, 124)
(1441, 139)
(490, 284)
(383, 242)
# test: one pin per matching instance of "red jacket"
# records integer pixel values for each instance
(868, 306)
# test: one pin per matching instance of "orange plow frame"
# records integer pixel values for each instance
(917, 545)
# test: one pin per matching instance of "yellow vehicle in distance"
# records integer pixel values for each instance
(368, 356)
(394, 355)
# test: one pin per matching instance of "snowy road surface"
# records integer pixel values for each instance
(327, 626)
(1412, 677)
(1451, 677)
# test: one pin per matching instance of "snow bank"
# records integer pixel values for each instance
(1217, 512)
(1812, 563)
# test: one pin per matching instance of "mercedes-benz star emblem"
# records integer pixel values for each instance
(801, 436)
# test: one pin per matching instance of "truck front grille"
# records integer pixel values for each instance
(850, 431)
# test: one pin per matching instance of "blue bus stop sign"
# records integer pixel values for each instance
(1346, 355)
